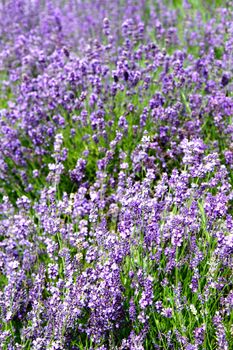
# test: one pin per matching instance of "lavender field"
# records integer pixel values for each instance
(116, 174)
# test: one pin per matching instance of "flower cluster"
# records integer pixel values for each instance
(116, 156)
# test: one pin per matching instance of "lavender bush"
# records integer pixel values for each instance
(116, 160)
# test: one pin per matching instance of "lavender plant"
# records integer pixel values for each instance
(116, 161)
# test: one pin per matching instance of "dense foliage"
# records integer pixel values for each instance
(116, 158)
